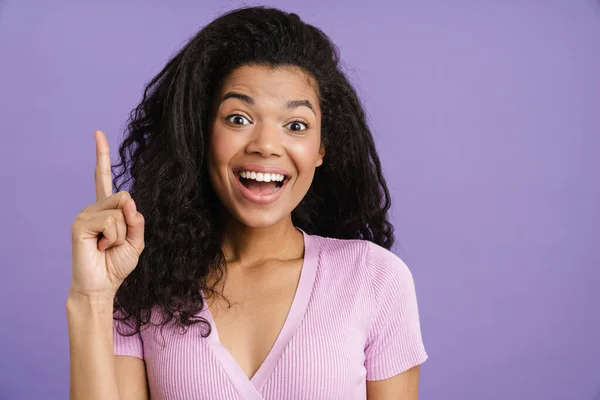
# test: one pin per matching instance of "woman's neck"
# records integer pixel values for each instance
(252, 247)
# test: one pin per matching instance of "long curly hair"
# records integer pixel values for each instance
(164, 152)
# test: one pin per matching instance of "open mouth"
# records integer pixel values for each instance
(262, 184)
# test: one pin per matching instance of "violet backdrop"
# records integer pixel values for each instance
(487, 118)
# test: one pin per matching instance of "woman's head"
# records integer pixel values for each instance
(264, 142)
(255, 88)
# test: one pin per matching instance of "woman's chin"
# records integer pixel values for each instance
(261, 220)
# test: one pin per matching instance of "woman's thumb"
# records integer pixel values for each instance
(135, 226)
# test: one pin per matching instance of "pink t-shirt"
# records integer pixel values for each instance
(353, 318)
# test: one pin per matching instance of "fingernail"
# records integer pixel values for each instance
(133, 208)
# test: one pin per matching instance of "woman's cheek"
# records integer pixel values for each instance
(224, 146)
(305, 153)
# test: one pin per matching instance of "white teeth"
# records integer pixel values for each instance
(262, 177)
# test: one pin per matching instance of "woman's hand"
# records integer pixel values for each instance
(102, 262)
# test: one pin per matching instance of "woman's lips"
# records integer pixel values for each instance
(268, 169)
(260, 198)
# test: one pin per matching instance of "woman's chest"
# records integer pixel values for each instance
(323, 359)
(318, 354)
(254, 308)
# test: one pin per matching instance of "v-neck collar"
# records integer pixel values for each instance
(250, 388)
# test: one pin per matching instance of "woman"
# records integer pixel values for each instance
(249, 259)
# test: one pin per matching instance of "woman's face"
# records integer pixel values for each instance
(265, 142)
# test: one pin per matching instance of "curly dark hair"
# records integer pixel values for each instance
(164, 152)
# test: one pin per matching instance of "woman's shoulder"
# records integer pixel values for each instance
(379, 262)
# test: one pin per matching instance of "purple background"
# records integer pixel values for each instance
(487, 116)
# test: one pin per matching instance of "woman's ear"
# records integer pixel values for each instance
(321, 155)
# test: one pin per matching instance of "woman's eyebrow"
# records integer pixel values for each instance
(235, 95)
(301, 103)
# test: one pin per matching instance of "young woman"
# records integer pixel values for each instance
(249, 258)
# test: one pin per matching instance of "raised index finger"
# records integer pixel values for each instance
(102, 173)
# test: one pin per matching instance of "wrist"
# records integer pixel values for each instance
(97, 296)
(90, 302)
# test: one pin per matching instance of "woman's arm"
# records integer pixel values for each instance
(95, 372)
(131, 378)
(404, 386)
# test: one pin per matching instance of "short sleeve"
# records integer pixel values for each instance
(127, 345)
(394, 343)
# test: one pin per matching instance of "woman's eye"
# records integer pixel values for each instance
(237, 119)
(297, 126)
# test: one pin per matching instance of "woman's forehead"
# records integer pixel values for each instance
(286, 83)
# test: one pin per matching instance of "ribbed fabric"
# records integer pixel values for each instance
(354, 318)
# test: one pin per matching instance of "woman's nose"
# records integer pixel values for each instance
(266, 141)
